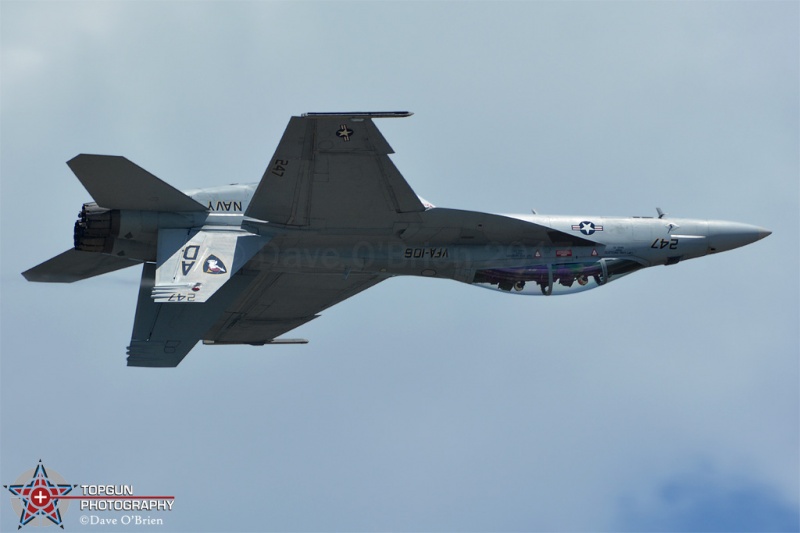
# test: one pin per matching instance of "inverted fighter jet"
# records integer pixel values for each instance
(331, 217)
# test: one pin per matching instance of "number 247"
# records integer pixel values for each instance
(663, 243)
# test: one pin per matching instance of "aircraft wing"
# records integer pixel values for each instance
(277, 302)
(333, 171)
(251, 308)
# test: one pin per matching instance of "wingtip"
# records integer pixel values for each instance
(359, 114)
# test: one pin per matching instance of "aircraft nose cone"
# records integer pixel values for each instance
(724, 236)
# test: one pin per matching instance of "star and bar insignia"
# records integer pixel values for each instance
(344, 132)
(587, 228)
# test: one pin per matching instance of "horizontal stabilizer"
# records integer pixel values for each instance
(193, 270)
(116, 183)
(75, 265)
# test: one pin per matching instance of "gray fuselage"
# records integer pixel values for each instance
(453, 244)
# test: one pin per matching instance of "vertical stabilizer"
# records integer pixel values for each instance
(191, 267)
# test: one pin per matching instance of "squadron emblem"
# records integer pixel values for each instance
(214, 265)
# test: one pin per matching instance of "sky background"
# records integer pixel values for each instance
(665, 401)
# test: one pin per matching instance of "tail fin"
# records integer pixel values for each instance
(193, 266)
(116, 183)
(74, 265)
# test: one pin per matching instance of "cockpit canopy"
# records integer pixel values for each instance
(555, 278)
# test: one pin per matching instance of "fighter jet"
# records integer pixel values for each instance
(331, 217)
